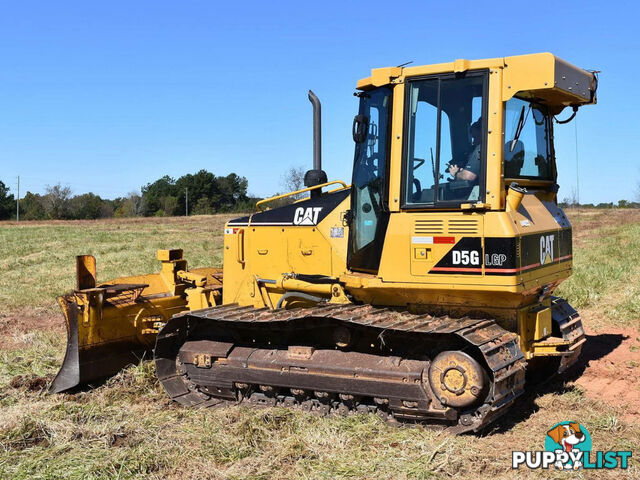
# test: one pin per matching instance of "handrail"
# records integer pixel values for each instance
(240, 247)
(308, 189)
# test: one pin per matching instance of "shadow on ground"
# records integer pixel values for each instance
(595, 348)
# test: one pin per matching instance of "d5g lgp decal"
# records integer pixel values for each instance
(506, 256)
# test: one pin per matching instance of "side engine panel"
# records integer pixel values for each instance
(475, 259)
(306, 237)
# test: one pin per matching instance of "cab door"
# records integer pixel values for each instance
(369, 208)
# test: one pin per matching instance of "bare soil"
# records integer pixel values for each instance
(14, 326)
(609, 369)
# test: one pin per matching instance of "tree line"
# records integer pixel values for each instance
(202, 193)
(621, 204)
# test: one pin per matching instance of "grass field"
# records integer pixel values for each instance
(127, 428)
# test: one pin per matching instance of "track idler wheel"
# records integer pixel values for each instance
(457, 379)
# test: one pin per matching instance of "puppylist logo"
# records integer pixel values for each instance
(568, 446)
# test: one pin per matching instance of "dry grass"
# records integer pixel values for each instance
(127, 428)
(36, 258)
(605, 285)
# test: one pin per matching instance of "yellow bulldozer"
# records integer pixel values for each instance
(422, 291)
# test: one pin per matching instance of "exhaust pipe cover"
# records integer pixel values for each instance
(316, 176)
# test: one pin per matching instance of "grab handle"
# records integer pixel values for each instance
(240, 250)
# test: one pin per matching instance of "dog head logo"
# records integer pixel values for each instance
(567, 436)
(570, 439)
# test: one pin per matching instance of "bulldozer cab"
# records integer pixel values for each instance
(452, 138)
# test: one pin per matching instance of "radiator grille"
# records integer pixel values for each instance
(428, 227)
(463, 226)
(452, 226)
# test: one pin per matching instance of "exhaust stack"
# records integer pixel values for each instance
(316, 176)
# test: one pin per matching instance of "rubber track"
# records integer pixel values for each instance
(498, 346)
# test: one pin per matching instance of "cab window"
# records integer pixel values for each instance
(369, 208)
(527, 152)
(444, 155)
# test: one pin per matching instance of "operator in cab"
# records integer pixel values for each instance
(471, 169)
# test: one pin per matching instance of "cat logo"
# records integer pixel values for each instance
(306, 216)
(546, 249)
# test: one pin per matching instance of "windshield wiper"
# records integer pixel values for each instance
(521, 122)
(433, 166)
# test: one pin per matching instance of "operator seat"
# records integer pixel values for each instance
(513, 159)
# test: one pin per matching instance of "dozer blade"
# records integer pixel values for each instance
(69, 374)
(84, 363)
(114, 324)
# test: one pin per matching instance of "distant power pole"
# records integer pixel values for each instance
(575, 125)
(186, 202)
(18, 202)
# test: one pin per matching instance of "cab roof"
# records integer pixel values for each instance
(544, 76)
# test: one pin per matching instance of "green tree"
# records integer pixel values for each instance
(201, 184)
(106, 209)
(167, 196)
(85, 206)
(248, 205)
(202, 207)
(154, 194)
(233, 189)
(7, 202)
(32, 207)
(169, 206)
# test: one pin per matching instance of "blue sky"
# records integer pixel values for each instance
(108, 96)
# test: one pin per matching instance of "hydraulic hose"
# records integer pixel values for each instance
(302, 295)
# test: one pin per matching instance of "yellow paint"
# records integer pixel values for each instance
(105, 318)
(271, 251)
(542, 323)
(542, 74)
(397, 128)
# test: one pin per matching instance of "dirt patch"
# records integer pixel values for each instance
(32, 383)
(609, 369)
(118, 439)
(14, 325)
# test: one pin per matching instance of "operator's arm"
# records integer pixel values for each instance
(470, 172)
(462, 173)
